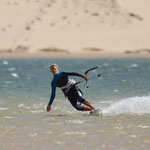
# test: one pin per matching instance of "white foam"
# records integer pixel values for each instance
(59, 142)
(23, 106)
(5, 62)
(15, 75)
(37, 105)
(134, 105)
(36, 111)
(33, 106)
(8, 117)
(7, 82)
(133, 66)
(144, 127)
(4, 108)
(76, 121)
(11, 69)
(76, 133)
(33, 135)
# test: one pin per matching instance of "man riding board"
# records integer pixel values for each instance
(69, 88)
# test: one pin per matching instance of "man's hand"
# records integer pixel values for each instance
(48, 108)
(85, 77)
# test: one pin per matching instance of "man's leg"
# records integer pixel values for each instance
(88, 106)
(74, 96)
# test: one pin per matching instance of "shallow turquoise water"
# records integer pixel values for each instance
(123, 93)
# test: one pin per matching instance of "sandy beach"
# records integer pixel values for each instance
(74, 55)
(68, 28)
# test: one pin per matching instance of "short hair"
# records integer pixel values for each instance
(54, 65)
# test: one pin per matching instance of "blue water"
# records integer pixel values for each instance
(122, 92)
(124, 78)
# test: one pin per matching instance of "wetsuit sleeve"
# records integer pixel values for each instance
(52, 97)
(74, 74)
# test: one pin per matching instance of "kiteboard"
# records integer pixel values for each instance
(96, 112)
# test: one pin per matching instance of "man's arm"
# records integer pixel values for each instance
(52, 97)
(76, 74)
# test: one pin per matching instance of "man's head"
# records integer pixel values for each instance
(54, 69)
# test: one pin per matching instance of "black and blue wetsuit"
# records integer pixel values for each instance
(73, 94)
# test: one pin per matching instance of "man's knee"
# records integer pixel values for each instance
(79, 107)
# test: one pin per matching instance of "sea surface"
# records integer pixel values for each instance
(122, 92)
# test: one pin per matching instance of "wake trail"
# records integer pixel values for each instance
(134, 105)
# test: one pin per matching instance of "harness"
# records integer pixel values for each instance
(68, 86)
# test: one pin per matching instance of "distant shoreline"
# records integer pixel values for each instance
(73, 55)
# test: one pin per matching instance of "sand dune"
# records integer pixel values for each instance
(119, 26)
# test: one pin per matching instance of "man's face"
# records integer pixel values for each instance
(54, 70)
